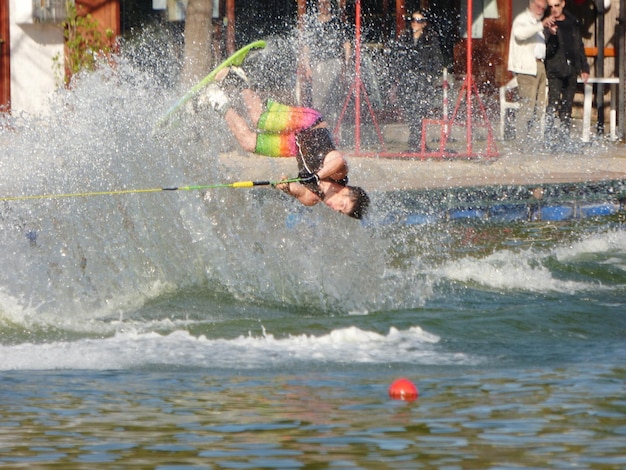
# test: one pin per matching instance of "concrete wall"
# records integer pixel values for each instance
(33, 45)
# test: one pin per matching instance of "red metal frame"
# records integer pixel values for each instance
(357, 88)
(467, 91)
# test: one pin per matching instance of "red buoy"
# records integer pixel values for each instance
(403, 389)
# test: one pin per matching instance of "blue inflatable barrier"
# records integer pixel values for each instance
(421, 219)
(508, 213)
(556, 213)
(598, 210)
(468, 214)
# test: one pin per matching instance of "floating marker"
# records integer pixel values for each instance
(403, 389)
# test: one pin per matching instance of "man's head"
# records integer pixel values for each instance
(556, 7)
(538, 8)
(325, 6)
(418, 20)
(350, 200)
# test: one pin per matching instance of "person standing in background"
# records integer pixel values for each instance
(527, 51)
(417, 67)
(327, 52)
(565, 60)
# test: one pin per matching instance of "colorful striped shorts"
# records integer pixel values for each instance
(278, 126)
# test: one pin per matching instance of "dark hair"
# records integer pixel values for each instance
(333, 6)
(424, 13)
(361, 202)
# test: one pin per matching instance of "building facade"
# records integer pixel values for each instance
(31, 35)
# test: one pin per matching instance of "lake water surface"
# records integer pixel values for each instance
(233, 329)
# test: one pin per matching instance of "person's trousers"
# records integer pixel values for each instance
(417, 100)
(561, 93)
(532, 91)
(325, 75)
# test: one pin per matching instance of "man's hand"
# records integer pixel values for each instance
(549, 22)
(284, 187)
(309, 178)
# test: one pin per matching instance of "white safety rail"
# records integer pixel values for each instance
(613, 82)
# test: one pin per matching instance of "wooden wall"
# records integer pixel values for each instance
(5, 59)
(106, 12)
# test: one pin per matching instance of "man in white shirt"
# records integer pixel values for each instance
(527, 51)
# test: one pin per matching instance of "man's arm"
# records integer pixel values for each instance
(334, 166)
(298, 191)
(525, 28)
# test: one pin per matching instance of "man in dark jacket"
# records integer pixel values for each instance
(565, 60)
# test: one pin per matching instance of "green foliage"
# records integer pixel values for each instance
(84, 43)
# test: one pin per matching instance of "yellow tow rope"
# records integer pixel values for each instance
(237, 184)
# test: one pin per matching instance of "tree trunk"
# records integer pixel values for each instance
(198, 40)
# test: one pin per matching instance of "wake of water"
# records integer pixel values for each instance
(70, 261)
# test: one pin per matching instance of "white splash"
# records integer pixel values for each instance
(349, 345)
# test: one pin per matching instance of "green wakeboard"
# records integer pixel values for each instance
(236, 59)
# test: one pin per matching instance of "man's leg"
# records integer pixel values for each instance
(238, 125)
(254, 106)
(553, 109)
(271, 145)
(274, 124)
(262, 143)
(540, 93)
(419, 112)
(240, 130)
(526, 85)
(569, 90)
